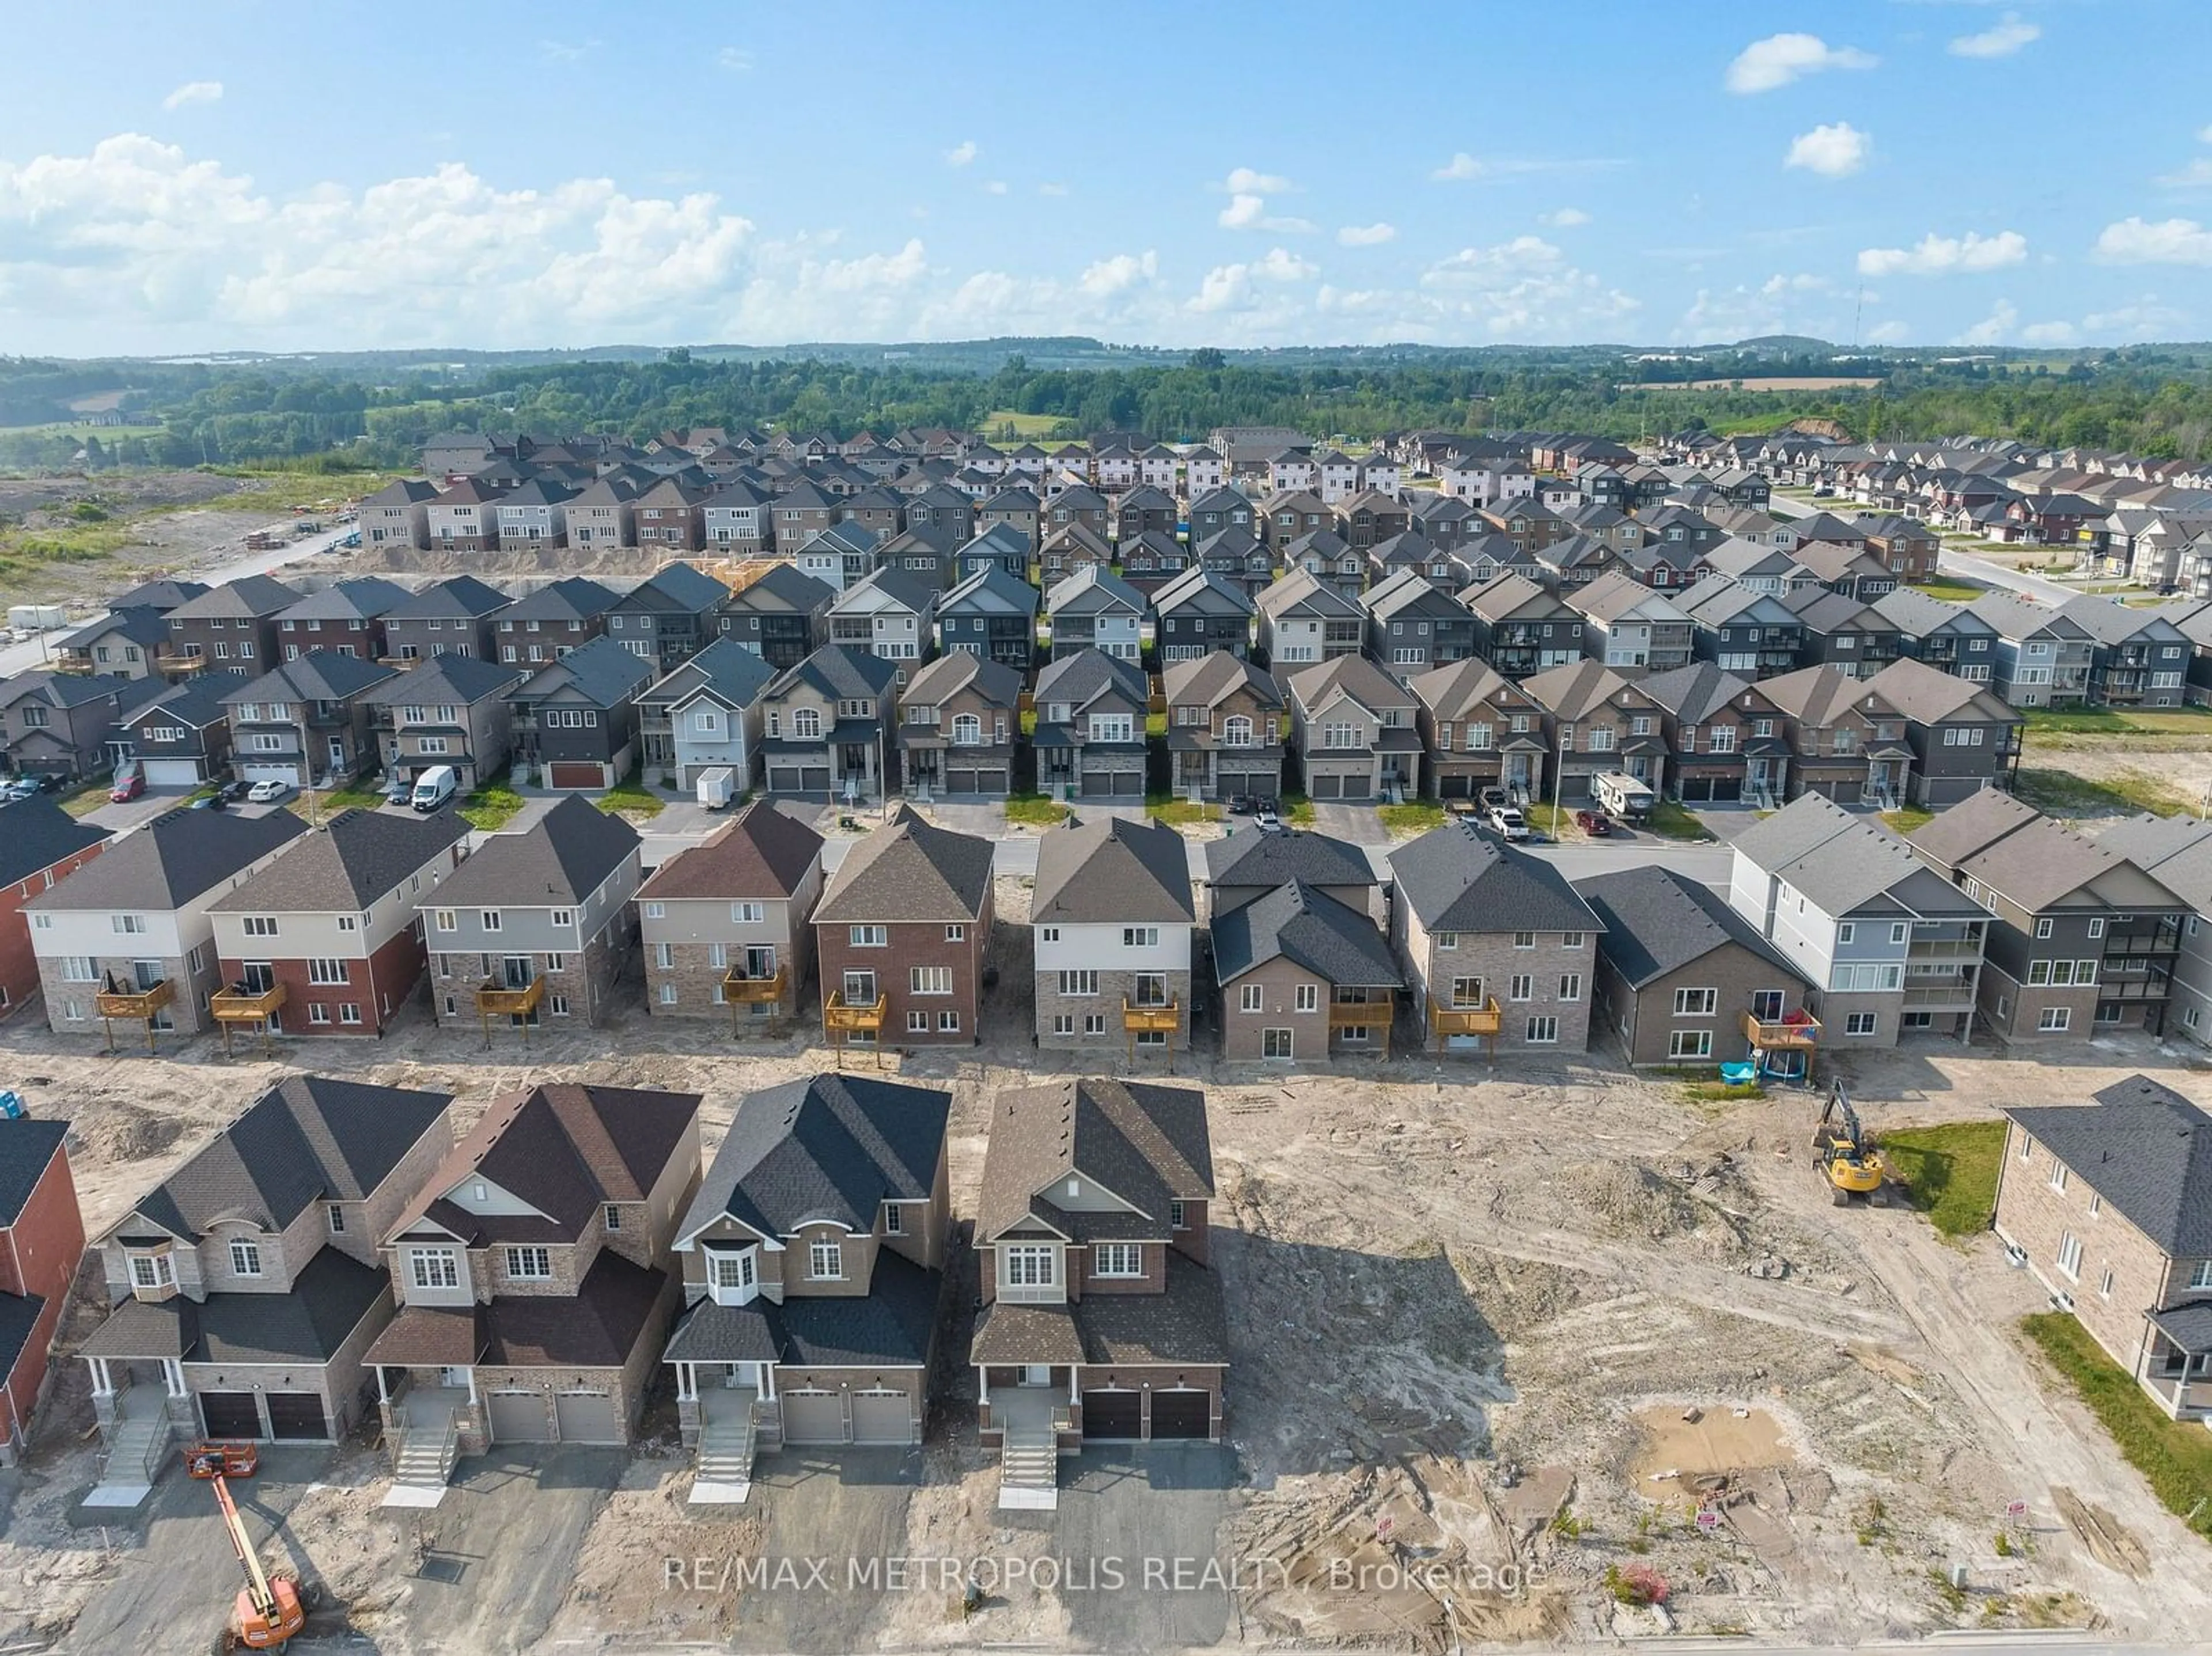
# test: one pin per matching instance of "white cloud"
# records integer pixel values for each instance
(567, 52)
(1463, 166)
(1052, 190)
(194, 92)
(1892, 332)
(1119, 274)
(1781, 59)
(1243, 181)
(996, 187)
(1993, 329)
(736, 59)
(2049, 333)
(2146, 319)
(1776, 306)
(2204, 135)
(1251, 213)
(1563, 218)
(1523, 289)
(2000, 39)
(2196, 175)
(1239, 286)
(2170, 241)
(1834, 151)
(1366, 235)
(961, 152)
(1935, 255)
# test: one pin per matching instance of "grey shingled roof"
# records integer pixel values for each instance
(309, 1138)
(308, 1324)
(558, 861)
(460, 594)
(575, 599)
(906, 872)
(838, 671)
(1461, 877)
(1695, 692)
(603, 671)
(732, 674)
(1301, 924)
(1083, 676)
(352, 860)
(249, 595)
(438, 681)
(1656, 921)
(1110, 870)
(2175, 851)
(1272, 859)
(1845, 863)
(36, 833)
(1928, 695)
(318, 676)
(835, 1147)
(1207, 680)
(358, 599)
(2146, 1149)
(169, 861)
(1000, 685)
(2013, 849)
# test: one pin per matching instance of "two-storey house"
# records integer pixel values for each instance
(1412, 626)
(448, 618)
(122, 644)
(181, 736)
(1112, 921)
(305, 721)
(1846, 742)
(1226, 724)
(602, 515)
(1096, 609)
(959, 731)
(43, 1233)
(826, 725)
(1356, 730)
(1846, 633)
(1963, 737)
(464, 516)
(1520, 628)
(1478, 730)
(705, 715)
(1198, 613)
(2177, 853)
(69, 725)
(2044, 656)
(1090, 738)
(1016, 508)
(548, 624)
(1748, 632)
(1726, 739)
(537, 925)
(398, 516)
(1304, 619)
(782, 616)
(1948, 637)
(991, 613)
(230, 628)
(996, 546)
(2137, 658)
(726, 924)
(887, 614)
(575, 718)
(1301, 976)
(345, 618)
(1630, 628)
(1216, 509)
(1597, 723)
(904, 931)
(39, 844)
(451, 710)
(666, 619)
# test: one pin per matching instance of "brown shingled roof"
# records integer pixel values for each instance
(760, 852)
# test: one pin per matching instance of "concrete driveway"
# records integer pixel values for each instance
(1157, 1510)
(987, 817)
(834, 1504)
(144, 809)
(1360, 825)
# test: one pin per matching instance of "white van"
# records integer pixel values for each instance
(434, 787)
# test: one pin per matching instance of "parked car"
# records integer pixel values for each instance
(1492, 797)
(1265, 819)
(21, 788)
(1240, 804)
(129, 788)
(1593, 823)
(398, 793)
(1507, 823)
(230, 792)
(212, 802)
(262, 793)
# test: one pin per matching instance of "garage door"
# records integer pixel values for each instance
(1099, 785)
(882, 1417)
(1359, 788)
(815, 779)
(588, 1417)
(1113, 1413)
(230, 1414)
(1327, 787)
(1181, 1414)
(813, 1417)
(1726, 789)
(171, 773)
(1455, 787)
(574, 775)
(1696, 789)
(783, 778)
(518, 1417)
(992, 782)
(297, 1415)
(288, 774)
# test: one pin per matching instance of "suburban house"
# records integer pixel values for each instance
(128, 935)
(1520, 628)
(2082, 936)
(1096, 609)
(1304, 619)
(2044, 656)
(1411, 627)
(1101, 1320)
(1214, 510)
(705, 715)
(1197, 613)
(575, 720)
(1068, 551)
(2177, 853)
(1356, 730)
(1597, 723)
(535, 924)
(782, 616)
(603, 515)
(1016, 508)
(43, 1232)
(827, 725)
(346, 618)
(733, 520)
(1239, 557)
(181, 736)
(323, 938)
(812, 1263)
(904, 931)
(246, 1288)
(1948, 637)
(1000, 546)
(991, 613)
(1890, 945)
(1846, 742)
(1154, 558)
(1630, 628)
(533, 1273)
(1113, 922)
(1089, 737)
(1847, 633)
(69, 725)
(667, 617)
(451, 710)
(1682, 979)
(230, 628)
(447, 618)
(726, 924)
(306, 720)
(1747, 632)
(122, 644)
(959, 727)
(547, 624)
(1478, 730)
(2137, 658)
(397, 515)
(1497, 947)
(1724, 735)
(1225, 729)
(1963, 737)
(1301, 976)
(39, 844)
(2110, 1204)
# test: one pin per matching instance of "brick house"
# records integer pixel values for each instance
(324, 939)
(783, 616)
(1597, 723)
(533, 1274)
(547, 624)
(1304, 619)
(1198, 613)
(1226, 724)
(2110, 1204)
(1846, 744)
(247, 1286)
(1302, 977)
(959, 730)
(305, 721)
(726, 924)
(902, 933)
(1355, 729)
(451, 710)
(1112, 921)
(827, 723)
(68, 725)
(43, 1233)
(1726, 738)
(535, 924)
(230, 628)
(812, 1262)
(39, 844)
(449, 618)
(1478, 730)
(1090, 738)
(346, 618)
(1100, 1321)
(575, 720)
(1497, 948)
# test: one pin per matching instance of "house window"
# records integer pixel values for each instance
(1048, 934)
(1140, 937)
(2097, 928)
(747, 913)
(530, 1264)
(1175, 1217)
(1690, 1043)
(1027, 1267)
(1078, 983)
(1116, 1260)
(930, 980)
(2054, 1019)
(2069, 1255)
(1250, 998)
(1447, 939)
(1542, 1032)
(337, 1220)
(1308, 998)
(2057, 1174)
(1571, 986)
(1861, 1024)
(489, 919)
(1521, 986)
(153, 1271)
(825, 1261)
(245, 1258)
(2201, 1278)
(1063, 1023)
(1571, 939)
(955, 934)
(1696, 1002)
(1524, 940)
(434, 1267)
(447, 920)
(2043, 928)
(326, 971)
(1846, 932)
(867, 937)
(894, 1220)
(260, 925)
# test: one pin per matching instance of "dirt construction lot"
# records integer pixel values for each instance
(1496, 1333)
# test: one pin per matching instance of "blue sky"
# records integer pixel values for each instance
(244, 175)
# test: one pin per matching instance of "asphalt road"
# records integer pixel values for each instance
(1964, 565)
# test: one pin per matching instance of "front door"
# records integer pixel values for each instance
(1517, 770)
(338, 754)
(1036, 1373)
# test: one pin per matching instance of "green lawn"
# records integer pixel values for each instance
(2111, 721)
(1034, 810)
(1155, 725)
(86, 800)
(2175, 1457)
(1670, 821)
(1179, 813)
(2062, 793)
(1950, 590)
(328, 804)
(1950, 1172)
(1906, 818)
(1038, 428)
(1546, 819)
(1414, 816)
(1296, 810)
(633, 798)
(491, 806)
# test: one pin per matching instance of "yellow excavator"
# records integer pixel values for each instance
(1845, 1157)
(268, 1611)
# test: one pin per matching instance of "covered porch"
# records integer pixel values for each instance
(2177, 1367)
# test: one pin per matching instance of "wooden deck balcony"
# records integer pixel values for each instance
(844, 1017)
(239, 1004)
(135, 1002)
(495, 999)
(1360, 1014)
(1151, 1020)
(1775, 1035)
(181, 666)
(742, 991)
(1486, 1019)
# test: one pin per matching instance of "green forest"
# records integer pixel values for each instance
(343, 412)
